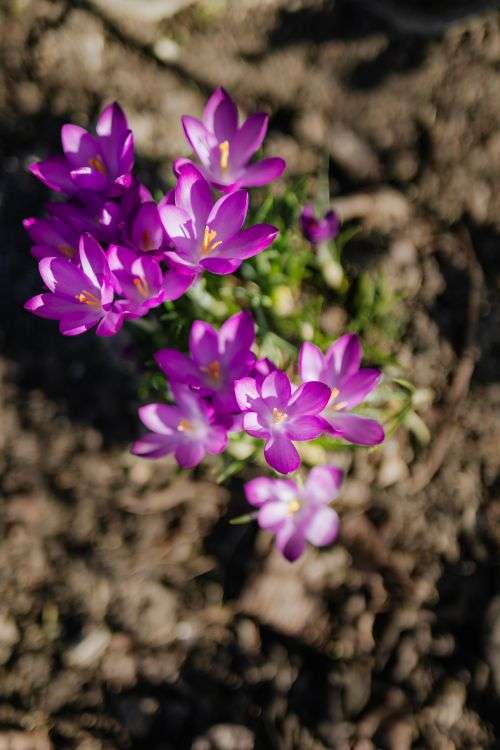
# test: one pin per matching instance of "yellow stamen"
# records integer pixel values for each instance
(224, 155)
(66, 250)
(142, 287)
(341, 405)
(184, 426)
(147, 243)
(87, 298)
(208, 241)
(279, 416)
(293, 506)
(97, 163)
(213, 371)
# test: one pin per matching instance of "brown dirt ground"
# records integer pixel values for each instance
(131, 614)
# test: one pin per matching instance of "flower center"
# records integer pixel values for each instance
(224, 155)
(184, 426)
(213, 371)
(279, 416)
(97, 163)
(293, 506)
(88, 298)
(147, 243)
(340, 405)
(66, 250)
(209, 244)
(142, 287)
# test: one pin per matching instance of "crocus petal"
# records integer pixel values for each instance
(87, 178)
(246, 393)
(189, 454)
(220, 115)
(236, 335)
(277, 386)
(51, 306)
(248, 139)
(323, 484)
(322, 526)
(79, 146)
(78, 322)
(220, 266)
(304, 427)
(176, 283)
(178, 367)
(355, 389)
(228, 214)
(160, 418)
(249, 242)
(110, 324)
(272, 516)
(309, 398)
(193, 194)
(93, 261)
(203, 343)
(217, 440)
(262, 172)
(112, 121)
(260, 490)
(55, 174)
(311, 362)
(290, 542)
(343, 357)
(147, 229)
(154, 446)
(252, 425)
(180, 229)
(63, 277)
(281, 454)
(200, 139)
(355, 429)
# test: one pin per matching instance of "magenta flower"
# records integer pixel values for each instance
(318, 230)
(273, 414)
(207, 236)
(340, 370)
(218, 358)
(296, 513)
(224, 149)
(187, 429)
(80, 297)
(100, 163)
(146, 230)
(52, 237)
(101, 218)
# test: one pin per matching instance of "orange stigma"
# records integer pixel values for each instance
(66, 250)
(97, 163)
(184, 426)
(213, 371)
(224, 155)
(88, 298)
(209, 244)
(147, 243)
(142, 287)
(293, 506)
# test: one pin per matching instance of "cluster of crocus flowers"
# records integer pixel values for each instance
(148, 252)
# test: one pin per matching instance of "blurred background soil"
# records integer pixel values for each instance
(131, 614)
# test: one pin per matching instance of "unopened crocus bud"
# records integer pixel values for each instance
(318, 230)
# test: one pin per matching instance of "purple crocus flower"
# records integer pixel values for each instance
(340, 370)
(101, 218)
(297, 513)
(80, 297)
(146, 230)
(52, 237)
(207, 236)
(224, 149)
(273, 414)
(186, 429)
(318, 230)
(100, 163)
(218, 358)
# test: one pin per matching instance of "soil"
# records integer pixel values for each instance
(131, 614)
